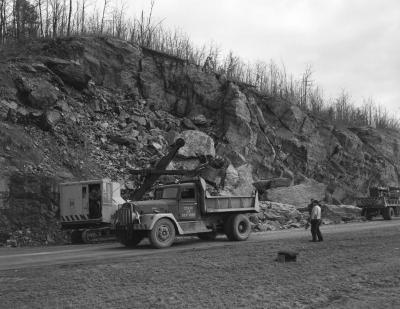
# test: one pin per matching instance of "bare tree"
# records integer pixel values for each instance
(83, 16)
(56, 12)
(69, 18)
(306, 85)
(39, 5)
(2, 20)
(102, 16)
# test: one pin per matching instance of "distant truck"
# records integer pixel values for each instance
(383, 201)
(184, 209)
(86, 208)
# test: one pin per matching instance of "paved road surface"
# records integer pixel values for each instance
(14, 258)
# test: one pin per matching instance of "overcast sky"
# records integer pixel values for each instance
(350, 44)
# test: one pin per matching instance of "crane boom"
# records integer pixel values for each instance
(152, 175)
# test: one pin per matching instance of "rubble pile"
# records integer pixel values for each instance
(340, 213)
(276, 216)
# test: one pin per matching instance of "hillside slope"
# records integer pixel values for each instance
(81, 108)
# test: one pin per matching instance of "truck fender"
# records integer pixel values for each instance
(151, 219)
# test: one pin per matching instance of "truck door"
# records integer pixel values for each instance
(188, 208)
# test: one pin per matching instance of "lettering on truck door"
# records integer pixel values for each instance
(188, 208)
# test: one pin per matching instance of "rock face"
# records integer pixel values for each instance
(80, 108)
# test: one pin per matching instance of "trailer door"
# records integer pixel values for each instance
(85, 200)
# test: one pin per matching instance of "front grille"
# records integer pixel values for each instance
(125, 216)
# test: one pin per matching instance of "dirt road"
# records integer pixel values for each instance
(14, 258)
(357, 266)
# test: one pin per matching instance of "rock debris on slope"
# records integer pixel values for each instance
(84, 108)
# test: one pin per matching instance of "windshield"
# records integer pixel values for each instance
(166, 193)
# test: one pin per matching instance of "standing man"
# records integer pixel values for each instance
(315, 219)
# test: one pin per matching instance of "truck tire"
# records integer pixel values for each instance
(207, 236)
(228, 227)
(163, 234)
(130, 241)
(388, 213)
(240, 228)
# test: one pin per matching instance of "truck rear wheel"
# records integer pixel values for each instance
(238, 227)
(388, 213)
(163, 234)
(228, 228)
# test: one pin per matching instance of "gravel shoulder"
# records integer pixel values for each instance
(350, 269)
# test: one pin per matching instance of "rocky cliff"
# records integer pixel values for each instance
(81, 108)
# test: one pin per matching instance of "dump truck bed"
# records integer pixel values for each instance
(377, 202)
(218, 204)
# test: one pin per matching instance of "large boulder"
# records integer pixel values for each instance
(340, 213)
(197, 144)
(242, 185)
(71, 73)
(49, 120)
(37, 93)
(231, 178)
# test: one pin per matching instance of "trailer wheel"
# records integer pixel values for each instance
(207, 236)
(388, 213)
(163, 234)
(240, 227)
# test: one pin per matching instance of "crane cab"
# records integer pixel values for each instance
(87, 203)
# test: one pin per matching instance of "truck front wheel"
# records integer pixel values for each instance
(238, 227)
(163, 234)
(130, 241)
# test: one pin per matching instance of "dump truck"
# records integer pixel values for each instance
(184, 208)
(383, 201)
(86, 208)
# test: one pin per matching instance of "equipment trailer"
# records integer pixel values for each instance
(383, 201)
(184, 209)
(86, 209)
